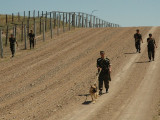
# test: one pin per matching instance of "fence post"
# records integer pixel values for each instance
(63, 22)
(1, 43)
(86, 20)
(69, 21)
(14, 31)
(102, 23)
(96, 22)
(25, 37)
(58, 24)
(6, 19)
(55, 17)
(50, 20)
(6, 36)
(40, 23)
(29, 15)
(46, 22)
(51, 28)
(73, 20)
(76, 20)
(79, 19)
(22, 33)
(42, 14)
(24, 15)
(59, 20)
(15, 36)
(66, 19)
(82, 19)
(18, 17)
(12, 17)
(43, 31)
(34, 14)
(27, 27)
(38, 14)
(35, 30)
(90, 21)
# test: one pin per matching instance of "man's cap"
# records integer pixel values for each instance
(137, 30)
(150, 34)
(101, 52)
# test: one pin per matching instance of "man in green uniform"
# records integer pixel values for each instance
(104, 68)
(138, 39)
(31, 38)
(12, 41)
(151, 47)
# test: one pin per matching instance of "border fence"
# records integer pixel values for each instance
(44, 24)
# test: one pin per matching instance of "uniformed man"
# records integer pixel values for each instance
(12, 41)
(138, 39)
(151, 47)
(31, 38)
(104, 68)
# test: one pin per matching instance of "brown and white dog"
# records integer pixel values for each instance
(93, 92)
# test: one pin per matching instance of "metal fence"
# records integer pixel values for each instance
(44, 23)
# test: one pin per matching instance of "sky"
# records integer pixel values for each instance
(126, 13)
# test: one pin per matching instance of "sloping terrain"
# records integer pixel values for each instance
(52, 81)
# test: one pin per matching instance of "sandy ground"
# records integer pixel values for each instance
(52, 81)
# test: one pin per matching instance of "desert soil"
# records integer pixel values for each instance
(52, 82)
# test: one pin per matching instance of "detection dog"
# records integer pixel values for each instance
(93, 92)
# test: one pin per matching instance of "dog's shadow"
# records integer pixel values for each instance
(86, 102)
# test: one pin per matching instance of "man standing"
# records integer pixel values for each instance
(31, 38)
(104, 68)
(151, 47)
(12, 41)
(138, 39)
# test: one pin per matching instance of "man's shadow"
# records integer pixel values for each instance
(130, 53)
(142, 62)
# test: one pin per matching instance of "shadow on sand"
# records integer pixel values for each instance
(143, 62)
(86, 102)
(130, 53)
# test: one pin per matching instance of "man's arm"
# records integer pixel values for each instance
(155, 44)
(110, 68)
(134, 36)
(98, 66)
(16, 42)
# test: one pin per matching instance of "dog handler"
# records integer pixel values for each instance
(104, 70)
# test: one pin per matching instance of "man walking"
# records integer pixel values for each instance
(138, 39)
(104, 68)
(151, 47)
(12, 41)
(31, 39)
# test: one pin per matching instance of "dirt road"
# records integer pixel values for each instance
(52, 81)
